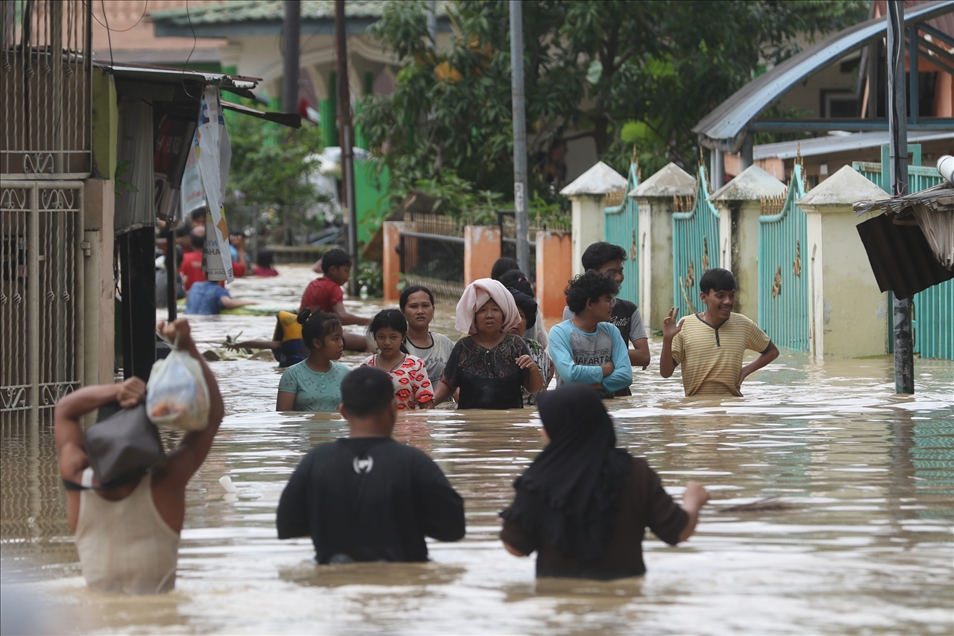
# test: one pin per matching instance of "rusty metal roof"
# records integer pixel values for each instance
(725, 127)
(900, 257)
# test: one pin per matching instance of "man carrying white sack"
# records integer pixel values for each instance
(127, 534)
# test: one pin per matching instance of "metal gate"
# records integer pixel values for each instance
(41, 297)
(933, 317)
(621, 227)
(695, 247)
(782, 287)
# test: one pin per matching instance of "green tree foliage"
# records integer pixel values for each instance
(269, 170)
(620, 72)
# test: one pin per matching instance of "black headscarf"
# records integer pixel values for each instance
(568, 496)
(527, 304)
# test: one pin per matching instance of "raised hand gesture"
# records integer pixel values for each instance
(671, 326)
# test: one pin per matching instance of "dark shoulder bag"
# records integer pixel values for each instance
(123, 446)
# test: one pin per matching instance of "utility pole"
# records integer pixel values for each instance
(898, 134)
(520, 192)
(346, 140)
(291, 31)
(432, 22)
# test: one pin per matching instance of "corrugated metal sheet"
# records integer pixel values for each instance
(724, 128)
(900, 257)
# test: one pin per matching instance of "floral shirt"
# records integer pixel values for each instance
(412, 387)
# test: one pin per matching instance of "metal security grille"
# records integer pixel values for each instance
(45, 88)
(41, 290)
(432, 255)
(933, 316)
(695, 247)
(621, 227)
(783, 272)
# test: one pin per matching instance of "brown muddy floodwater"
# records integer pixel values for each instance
(865, 545)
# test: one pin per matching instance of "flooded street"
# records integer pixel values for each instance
(864, 545)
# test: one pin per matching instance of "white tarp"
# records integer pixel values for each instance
(213, 155)
(192, 196)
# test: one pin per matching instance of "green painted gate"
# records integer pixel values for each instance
(695, 247)
(933, 316)
(621, 227)
(783, 271)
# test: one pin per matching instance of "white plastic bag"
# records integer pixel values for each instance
(176, 394)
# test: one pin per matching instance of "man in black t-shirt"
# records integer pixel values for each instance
(367, 497)
(608, 259)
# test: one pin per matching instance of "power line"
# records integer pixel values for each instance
(144, 8)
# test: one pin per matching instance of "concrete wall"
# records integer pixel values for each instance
(99, 287)
(655, 267)
(739, 235)
(554, 256)
(587, 212)
(481, 251)
(849, 313)
(391, 261)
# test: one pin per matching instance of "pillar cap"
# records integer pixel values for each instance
(845, 187)
(751, 185)
(597, 181)
(671, 181)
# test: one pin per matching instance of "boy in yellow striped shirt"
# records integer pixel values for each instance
(709, 345)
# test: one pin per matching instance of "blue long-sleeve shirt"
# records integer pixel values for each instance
(577, 356)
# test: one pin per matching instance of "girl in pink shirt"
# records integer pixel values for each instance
(412, 387)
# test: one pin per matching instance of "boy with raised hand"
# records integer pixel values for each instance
(710, 344)
(324, 294)
(587, 348)
(608, 259)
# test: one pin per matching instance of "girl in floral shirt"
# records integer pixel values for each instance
(412, 387)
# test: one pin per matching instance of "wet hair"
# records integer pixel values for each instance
(717, 279)
(197, 215)
(503, 265)
(366, 391)
(518, 280)
(265, 259)
(392, 318)
(237, 233)
(197, 240)
(335, 258)
(588, 286)
(316, 326)
(526, 304)
(413, 289)
(599, 254)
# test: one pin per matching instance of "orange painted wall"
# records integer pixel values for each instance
(481, 250)
(392, 260)
(554, 270)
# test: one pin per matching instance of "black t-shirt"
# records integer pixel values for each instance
(643, 503)
(488, 378)
(622, 317)
(369, 499)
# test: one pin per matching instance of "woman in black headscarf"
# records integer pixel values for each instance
(584, 504)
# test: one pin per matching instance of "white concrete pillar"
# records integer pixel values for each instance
(849, 313)
(586, 195)
(655, 198)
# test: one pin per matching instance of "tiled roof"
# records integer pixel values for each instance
(235, 11)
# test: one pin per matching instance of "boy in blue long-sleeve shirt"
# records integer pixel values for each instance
(587, 348)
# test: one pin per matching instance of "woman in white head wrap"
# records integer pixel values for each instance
(488, 365)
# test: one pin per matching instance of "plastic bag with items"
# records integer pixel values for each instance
(177, 395)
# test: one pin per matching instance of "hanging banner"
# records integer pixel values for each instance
(190, 192)
(213, 155)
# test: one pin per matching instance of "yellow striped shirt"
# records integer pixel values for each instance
(711, 357)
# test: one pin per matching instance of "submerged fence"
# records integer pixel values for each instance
(783, 280)
(621, 227)
(695, 247)
(432, 255)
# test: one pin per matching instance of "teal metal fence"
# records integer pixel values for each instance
(695, 247)
(783, 273)
(933, 315)
(621, 227)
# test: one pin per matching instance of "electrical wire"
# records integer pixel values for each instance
(143, 15)
(186, 64)
(109, 38)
